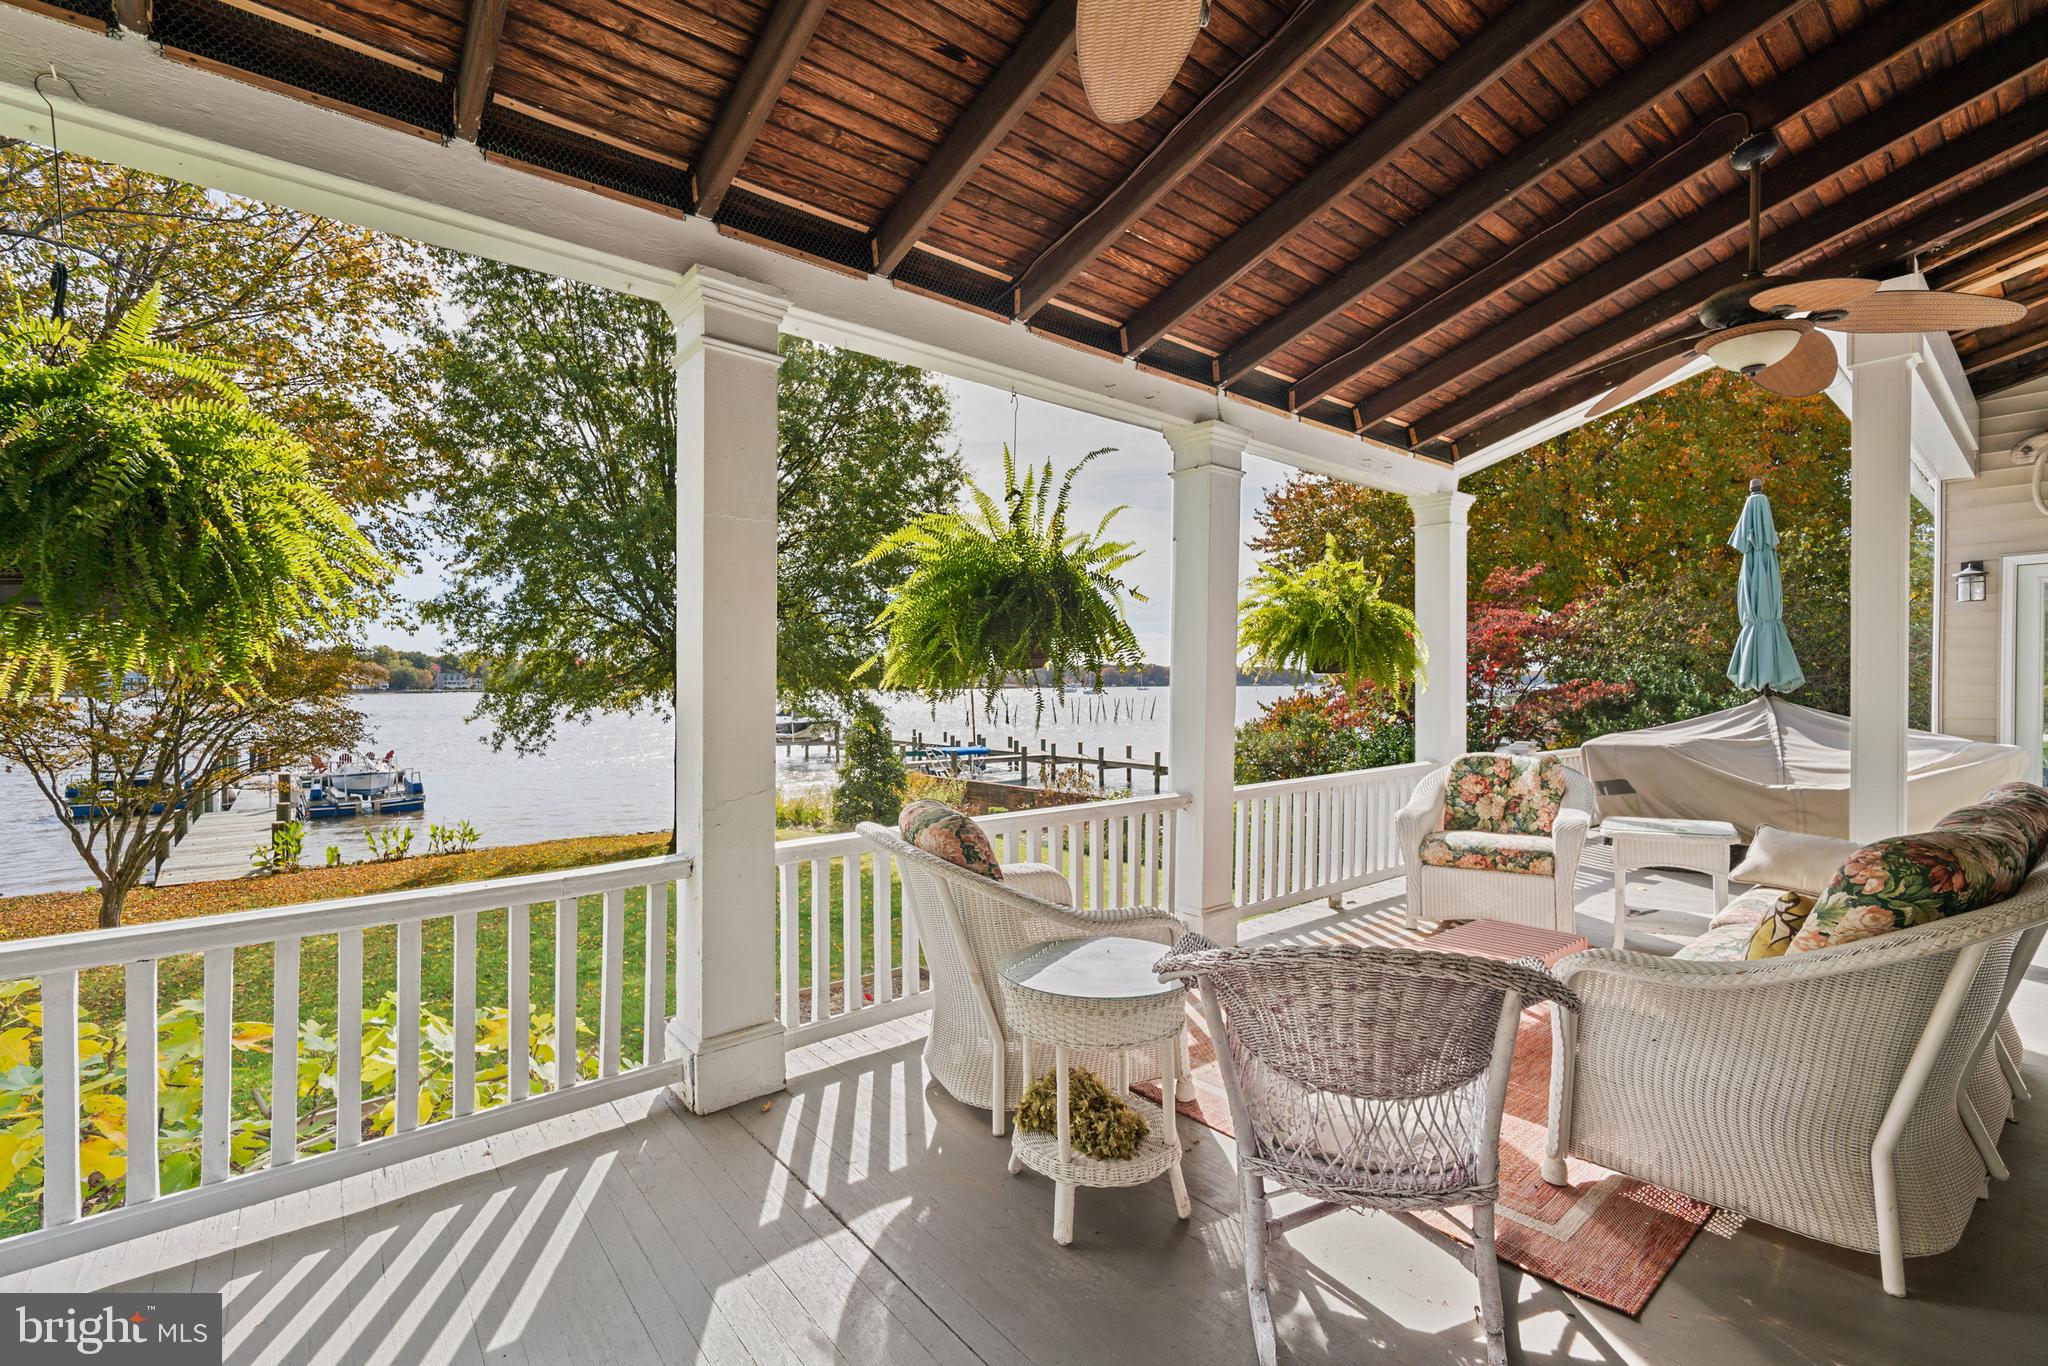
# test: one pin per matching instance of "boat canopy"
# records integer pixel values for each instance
(1774, 762)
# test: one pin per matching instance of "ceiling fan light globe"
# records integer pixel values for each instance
(1750, 352)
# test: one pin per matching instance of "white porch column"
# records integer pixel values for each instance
(1880, 563)
(726, 1032)
(1440, 533)
(1208, 469)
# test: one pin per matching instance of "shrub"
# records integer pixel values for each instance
(809, 810)
(459, 838)
(281, 855)
(932, 787)
(871, 773)
(1329, 730)
(389, 844)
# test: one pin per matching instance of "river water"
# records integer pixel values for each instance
(612, 775)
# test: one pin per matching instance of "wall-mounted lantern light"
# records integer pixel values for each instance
(1970, 581)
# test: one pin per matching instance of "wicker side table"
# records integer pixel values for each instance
(1097, 993)
(1643, 842)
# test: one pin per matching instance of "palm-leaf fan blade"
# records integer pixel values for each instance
(1809, 368)
(1130, 51)
(1925, 310)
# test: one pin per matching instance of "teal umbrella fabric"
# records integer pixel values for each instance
(1763, 655)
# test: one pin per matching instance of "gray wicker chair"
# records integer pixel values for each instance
(966, 923)
(1364, 1078)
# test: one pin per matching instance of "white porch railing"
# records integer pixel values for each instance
(864, 968)
(237, 1161)
(1303, 838)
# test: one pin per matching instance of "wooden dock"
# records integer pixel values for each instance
(217, 844)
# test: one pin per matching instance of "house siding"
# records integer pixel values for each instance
(1986, 518)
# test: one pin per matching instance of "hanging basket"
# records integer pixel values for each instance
(1131, 50)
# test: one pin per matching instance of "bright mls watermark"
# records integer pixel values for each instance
(116, 1330)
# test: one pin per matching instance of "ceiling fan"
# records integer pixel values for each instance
(1131, 50)
(1768, 328)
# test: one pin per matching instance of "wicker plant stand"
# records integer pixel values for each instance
(1643, 842)
(1097, 994)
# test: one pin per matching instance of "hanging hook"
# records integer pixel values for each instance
(60, 273)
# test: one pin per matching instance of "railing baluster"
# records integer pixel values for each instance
(612, 984)
(61, 1197)
(791, 941)
(1066, 840)
(913, 975)
(821, 937)
(885, 928)
(1119, 829)
(654, 990)
(216, 1078)
(462, 1015)
(284, 1053)
(518, 999)
(348, 1038)
(566, 1069)
(849, 897)
(140, 1092)
(405, 1093)
(1098, 841)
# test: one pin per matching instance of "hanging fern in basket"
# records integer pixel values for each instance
(1007, 592)
(1329, 618)
(150, 519)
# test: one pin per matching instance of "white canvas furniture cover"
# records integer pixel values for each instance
(1773, 762)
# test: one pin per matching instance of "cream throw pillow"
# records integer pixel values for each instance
(1793, 862)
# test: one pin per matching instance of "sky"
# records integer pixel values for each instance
(1134, 472)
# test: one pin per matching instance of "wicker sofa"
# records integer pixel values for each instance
(967, 923)
(1525, 863)
(1851, 1094)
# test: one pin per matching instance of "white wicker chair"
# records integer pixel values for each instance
(967, 923)
(1836, 1094)
(1364, 1078)
(1437, 893)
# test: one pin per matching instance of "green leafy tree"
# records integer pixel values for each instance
(1328, 617)
(872, 777)
(1006, 592)
(1311, 513)
(152, 519)
(312, 316)
(545, 422)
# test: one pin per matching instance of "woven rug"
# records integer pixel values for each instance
(1606, 1236)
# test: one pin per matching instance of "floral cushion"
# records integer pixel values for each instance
(1490, 852)
(2026, 805)
(1775, 930)
(1722, 944)
(1510, 794)
(1745, 910)
(1917, 879)
(942, 832)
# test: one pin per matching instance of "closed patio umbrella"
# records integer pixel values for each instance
(1763, 658)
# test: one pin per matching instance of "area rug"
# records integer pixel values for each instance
(1608, 1237)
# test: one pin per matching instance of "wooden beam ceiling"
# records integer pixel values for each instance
(1240, 94)
(1700, 46)
(1436, 97)
(1872, 46)
(2025, 129)
(745, 109)
(1995, 262)
(1785, 181)
(135, 15)
(1041, 53)
(479, 62)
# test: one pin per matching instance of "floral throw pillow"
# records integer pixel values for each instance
(942, 832)
(1914, 880)
(2026, 805)
(1509, 794)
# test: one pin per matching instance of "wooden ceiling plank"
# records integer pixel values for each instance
(1242, 93)
(135, 15)
(2011, 348)
(1469, 70)
(479, 63)
(1870, 46)
(1995, 262)
(2022, 129)
(1934, 99)
(985, 122)
(776, 52)
(1677, 61)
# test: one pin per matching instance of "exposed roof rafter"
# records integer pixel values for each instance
(1240, 95)
(1683, 57)
(747, 106)
(479, 63)
(1045, 47)
(1873, 45)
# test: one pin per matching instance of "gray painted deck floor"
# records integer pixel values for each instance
(865, 1218)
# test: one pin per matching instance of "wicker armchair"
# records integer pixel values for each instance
(1364, 1078)
(967, 923)
(1443, 893)
(1842, 1094)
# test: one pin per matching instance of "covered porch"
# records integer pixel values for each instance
(758, 1170)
